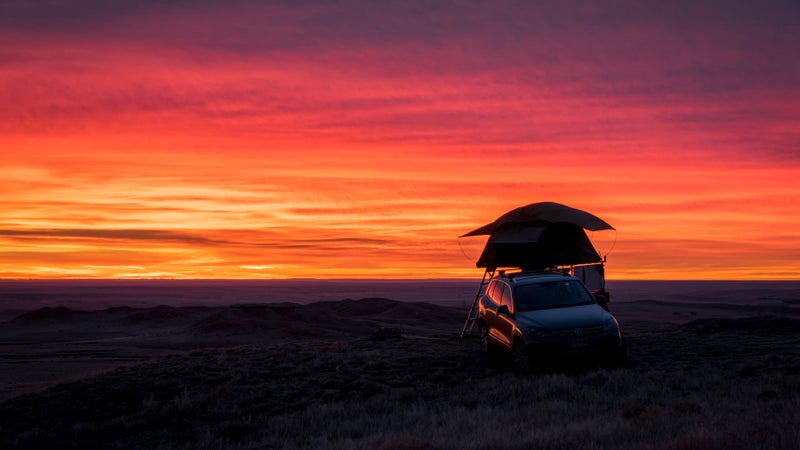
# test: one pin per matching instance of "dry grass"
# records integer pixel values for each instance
(686, 387)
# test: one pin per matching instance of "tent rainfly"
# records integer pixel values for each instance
(540, 236)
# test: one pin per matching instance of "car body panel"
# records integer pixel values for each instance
(558, 318)
(504, 327)
(578, 329)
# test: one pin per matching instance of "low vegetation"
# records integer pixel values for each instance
(696, 386)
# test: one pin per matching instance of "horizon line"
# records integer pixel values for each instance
(372, 279)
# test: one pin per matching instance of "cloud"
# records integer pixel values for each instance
(371, 134)
(132, 235)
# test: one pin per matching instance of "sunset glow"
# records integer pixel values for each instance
(359, 139)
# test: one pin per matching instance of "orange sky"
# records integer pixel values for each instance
(359, 139)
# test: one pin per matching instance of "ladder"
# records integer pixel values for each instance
(472, 317)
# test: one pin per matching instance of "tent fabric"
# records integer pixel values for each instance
(592, 276)
(554, 245)
(547, 212)
(540, 236)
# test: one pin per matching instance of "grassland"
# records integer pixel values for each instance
(214, 380)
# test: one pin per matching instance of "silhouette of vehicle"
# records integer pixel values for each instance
(540, 316)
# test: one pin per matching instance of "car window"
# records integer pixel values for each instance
(490, 291)
(498, 293)
(506, 299)
(553, 294)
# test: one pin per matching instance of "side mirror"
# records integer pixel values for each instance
(503, 309)
(602, 300)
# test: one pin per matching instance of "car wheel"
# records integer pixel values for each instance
(484, 338)
(622, 354)
(617, 358)
(519, 358)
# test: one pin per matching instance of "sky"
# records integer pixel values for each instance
(359, 139)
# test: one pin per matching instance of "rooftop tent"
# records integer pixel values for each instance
(539, 236)
(538, 247)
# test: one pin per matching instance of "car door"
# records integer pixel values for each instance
(490, 305)
(504, 323)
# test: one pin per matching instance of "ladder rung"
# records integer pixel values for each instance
(472, 317)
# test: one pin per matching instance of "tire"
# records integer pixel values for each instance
(622, 354)
(617, 358)
(520, 361)
(484, 332)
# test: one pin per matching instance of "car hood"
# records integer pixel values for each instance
(572, 316)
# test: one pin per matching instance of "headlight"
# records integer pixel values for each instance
(610, 325)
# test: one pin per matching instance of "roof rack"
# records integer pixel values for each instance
(554, 271)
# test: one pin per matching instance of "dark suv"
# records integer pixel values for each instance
(538, 315)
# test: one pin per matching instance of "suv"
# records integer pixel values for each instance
(535, 315)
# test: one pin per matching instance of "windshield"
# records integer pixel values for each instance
(552, 294)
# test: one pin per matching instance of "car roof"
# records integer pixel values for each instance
(520, 278)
